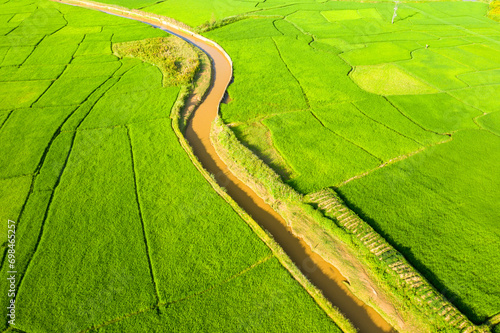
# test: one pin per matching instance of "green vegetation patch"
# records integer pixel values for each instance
(44, 53)
(54, 162)
(439, 208)
(474, 60)
(3, 117)
(3, 53)
(176, 59)
(98, 272)
(483, 98)
(266, 87)
(93, 59)
(197, 12)
(42, 124)
(18, 18)
(481, 78)
(19, 94)
(315, 23)
(491, 122)
(443, 75)
(30, 72)
(490, 53)
(376, 53)
(12, 196)
(389, 79)
(133, 32)
(91, 69)
(96, 19)
(381, 110)
(331, 159)
(437, 112)
(351, 14)
(70, 90)
(322, 77)
(117, 108)
(87, 31)
(16, 55)
(94, 48)
(380, 141)
(277, 306)
(287, 28)
(340, 15)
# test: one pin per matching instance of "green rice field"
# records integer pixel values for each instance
(114, 221)
(116, 230)
(399, 118)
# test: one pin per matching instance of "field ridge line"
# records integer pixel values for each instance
(47, 149)
(157, 306)
(386, 126)
(274, 25)
(37, 172)
(115, 320)
(165, 22)
(340, 136)
(410, 119)
(296, 79)
(392, 161)
(45, 216)
(6, 118)
(60, 74)
(143, 225)
(244, 271)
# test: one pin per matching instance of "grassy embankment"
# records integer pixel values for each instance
(116, 229)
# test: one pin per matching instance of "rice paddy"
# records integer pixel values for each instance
(116, 228)
(400, 119)
(413, 101)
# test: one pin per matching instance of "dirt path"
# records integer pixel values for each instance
(322, 274)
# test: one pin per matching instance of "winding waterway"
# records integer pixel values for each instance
(321, 273)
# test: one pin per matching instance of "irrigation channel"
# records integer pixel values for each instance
(321, 273)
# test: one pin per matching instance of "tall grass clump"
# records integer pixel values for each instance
(494, 11)
(177, 59)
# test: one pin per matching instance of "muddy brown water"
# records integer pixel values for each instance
(321, 273)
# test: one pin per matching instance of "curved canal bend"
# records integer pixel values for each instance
(321, 273)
